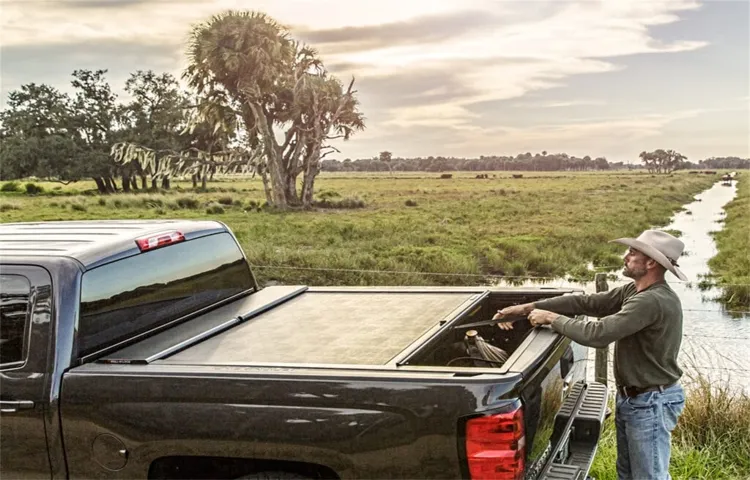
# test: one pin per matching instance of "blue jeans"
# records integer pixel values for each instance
(644, 433)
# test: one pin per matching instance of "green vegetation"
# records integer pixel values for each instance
(732, 263)
(544, 224)
(711, 441)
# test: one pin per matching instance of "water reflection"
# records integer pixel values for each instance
(714, 337)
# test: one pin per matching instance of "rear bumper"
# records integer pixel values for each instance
(578, 426)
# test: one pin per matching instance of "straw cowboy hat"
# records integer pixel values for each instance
(660, 246)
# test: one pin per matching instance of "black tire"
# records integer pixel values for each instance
(273, 475)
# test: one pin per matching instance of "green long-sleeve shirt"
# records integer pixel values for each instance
(646, 327)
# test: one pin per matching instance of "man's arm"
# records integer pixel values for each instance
(637, 313)
(593, 305)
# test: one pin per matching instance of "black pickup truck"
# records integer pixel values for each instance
(147, 349)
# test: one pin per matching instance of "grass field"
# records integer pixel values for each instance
(545, 224)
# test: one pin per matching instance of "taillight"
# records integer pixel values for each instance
(496, 446)
(159, 240)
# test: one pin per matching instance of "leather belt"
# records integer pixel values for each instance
(635, 391)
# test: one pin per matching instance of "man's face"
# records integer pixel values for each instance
(635, 264)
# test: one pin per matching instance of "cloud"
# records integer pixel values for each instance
(83, 4)
(618, 138)
(579, 38)
(134, 21)
(426, 29)
(560, 104)
(54, 64)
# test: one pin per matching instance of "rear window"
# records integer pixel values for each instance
(136, 294)
(14, 310)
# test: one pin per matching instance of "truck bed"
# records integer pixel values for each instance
(338, 326)
(321, 327)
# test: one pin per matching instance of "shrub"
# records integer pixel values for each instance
(411, 203)
(33, 189)
(78, 207)
(215, 209)
(326, 194)
(344, 203)
(188, 202)
(4, 207)
(153, 202)
(103, 202)
(225, 200)
(10, 187)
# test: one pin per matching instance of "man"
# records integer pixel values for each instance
(644, 320)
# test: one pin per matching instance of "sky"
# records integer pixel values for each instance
(457, 78)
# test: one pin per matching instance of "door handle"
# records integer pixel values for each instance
(7, 406)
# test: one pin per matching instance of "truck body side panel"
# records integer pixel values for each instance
(360, 427)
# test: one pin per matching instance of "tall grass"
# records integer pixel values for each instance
(711, 440)
(732, 263)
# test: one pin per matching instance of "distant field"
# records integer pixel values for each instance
(546, 224)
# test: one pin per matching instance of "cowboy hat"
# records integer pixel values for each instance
(660, 246)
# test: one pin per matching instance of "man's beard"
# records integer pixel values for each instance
(634, 273)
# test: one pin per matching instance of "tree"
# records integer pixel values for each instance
(662, 161)
(36, 135)
(156, 117)
(213, 128)
(96, 126)
(158, 110)
(286, 100)
(386, 158)
(601, 163)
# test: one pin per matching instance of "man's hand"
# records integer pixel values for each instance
(512, 311)
(541, 317)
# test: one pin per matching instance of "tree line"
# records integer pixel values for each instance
(257, 101)
(655, 162)
(523, 162)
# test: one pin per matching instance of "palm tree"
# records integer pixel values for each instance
(273, 82)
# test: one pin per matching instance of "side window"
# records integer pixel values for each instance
(14, 312)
